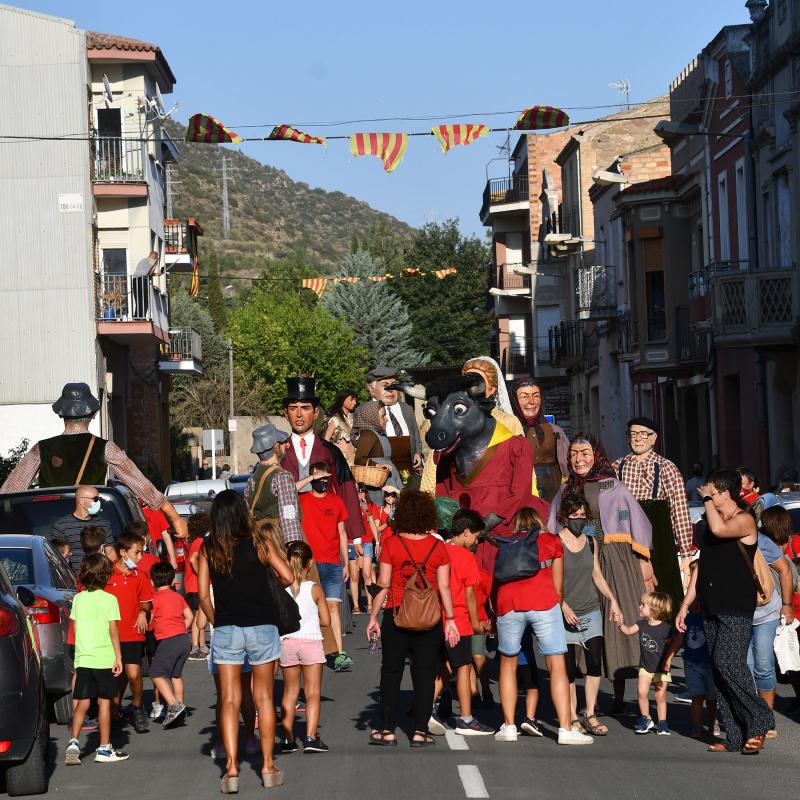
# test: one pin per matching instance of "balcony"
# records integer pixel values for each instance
(181, 244)
(597, 292)
(506, 283)
(504, 194)
(118, 167)
(690, 344)
(566, 344)
(627, 336)
(183, 353)
(130, 307)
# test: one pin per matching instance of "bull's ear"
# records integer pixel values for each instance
(478, 389)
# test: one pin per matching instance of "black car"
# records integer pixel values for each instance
(24, 725)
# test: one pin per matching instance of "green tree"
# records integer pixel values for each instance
(378, 317)
(15, 454)
(384, 245)
(216, 302)
(354, 242)
(442, 313)
(278, 336)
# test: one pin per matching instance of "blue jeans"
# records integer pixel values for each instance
(548, 628)
(332, 581)
(761, 655)
(258, 644)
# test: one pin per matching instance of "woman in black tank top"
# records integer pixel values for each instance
(236, 560)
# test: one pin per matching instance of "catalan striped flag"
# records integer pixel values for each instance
(345, 280)
(317, 285)
(452, 135)
(537, 118)
(290, 134)
(443, 273)
(411, 271)
(378, 278)
(195, 287)
(204, 128)
(389, 147)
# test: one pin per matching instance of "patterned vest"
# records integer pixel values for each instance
(61, 458)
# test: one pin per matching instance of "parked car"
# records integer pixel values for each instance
(24, 725)
(206, 488)
(239, 482)
(187, 505)
(32, 562)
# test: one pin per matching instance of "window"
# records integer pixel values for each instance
(784, 222)
(728, 79)
(654, 290)
(743, 253)
(768, 222)
(724, 225)
(546, 317)
(18, 564)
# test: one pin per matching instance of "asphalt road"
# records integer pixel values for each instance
(176, 763)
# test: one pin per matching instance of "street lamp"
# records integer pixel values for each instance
(231, 420)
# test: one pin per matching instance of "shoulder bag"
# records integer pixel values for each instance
(287, 612)
(760, 572)
(419, 609)
(518, 556)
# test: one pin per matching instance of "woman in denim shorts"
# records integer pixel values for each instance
(234, 560)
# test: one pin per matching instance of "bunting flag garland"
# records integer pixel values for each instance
(451, 135)
(443, 273)
(204, 128)
(195, 287)
(389, 147)
(317, 285)
(345, 280)
(377, 278)
(411, 271)
(537, 118)
(290, 134)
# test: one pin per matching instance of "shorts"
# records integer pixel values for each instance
(132, 652)
(193, 601)
(71, 652)
(91, 684)
(548, 628)
(478, 644)
(301, 652)
(367, 547)
(260, 644)
(700, 679)
(170, 657)
(460, 655)
(657, 677)
(212, 667)
(150, 645)
(330, 578)
(590, 626)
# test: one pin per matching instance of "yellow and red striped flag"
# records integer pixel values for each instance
(411, 271)
(537, 118)
(290, 134)
(204, 128)
(389, 147)
(443, 273)
(345, 280)
(317, 285)
(377, 278)
(195, 287)
(452, 135)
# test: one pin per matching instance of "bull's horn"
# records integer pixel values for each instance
(478, 389)
(417, 392)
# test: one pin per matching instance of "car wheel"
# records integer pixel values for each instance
(31, 776)
(62, 709)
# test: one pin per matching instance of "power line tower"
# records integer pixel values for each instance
(226, 218)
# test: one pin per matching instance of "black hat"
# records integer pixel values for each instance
(76, 401)
(303, 388)
(381, 374)
(644, 422)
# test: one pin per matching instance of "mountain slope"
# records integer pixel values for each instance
(272, 216)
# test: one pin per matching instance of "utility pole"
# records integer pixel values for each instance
(231, 433)
(226, 219)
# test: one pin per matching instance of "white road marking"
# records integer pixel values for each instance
(455, 741)
(470, 775)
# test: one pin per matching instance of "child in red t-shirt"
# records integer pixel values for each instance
(199, 525)
(170, 619)
(134, 593)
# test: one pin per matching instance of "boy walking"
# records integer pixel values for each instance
(98, 660)
(324, 515)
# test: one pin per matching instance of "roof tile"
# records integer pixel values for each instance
(108, 41)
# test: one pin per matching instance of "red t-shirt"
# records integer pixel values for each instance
(168, 608)
(463, 573)
(146, 564)
(367, 535)
(382, 518)
(130, 590)
(537, 593)
(483, 591)
(395, 554)
(190, 576)
(156, 523)
(321, 518)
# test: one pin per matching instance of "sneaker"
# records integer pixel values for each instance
(573, 736)
(643, 725)
(218, 752)
(107, 755)
(141, 722)
(531, 727)
(684, 698)
(73, 755)
(314, 745)
(288, 746)
(205, 650)
(299, 707)
(662, 729)
(473, 728)
(436, 726)
(507, 733)
(196, 654)
(717, 732)
(342, 662)
(174, 713)
(156, 710)
(252, 746)
(89, 725)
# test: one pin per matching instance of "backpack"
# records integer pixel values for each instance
(419, 609)
(518, 556)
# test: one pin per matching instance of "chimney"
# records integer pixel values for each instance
(756, 9)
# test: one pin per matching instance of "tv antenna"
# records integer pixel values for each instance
(156, 106)
(623, 87)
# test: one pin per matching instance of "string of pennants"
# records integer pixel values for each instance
(318, 285)
(388, 147)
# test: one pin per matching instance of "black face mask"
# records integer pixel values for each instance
(576, 525)
(320, 485)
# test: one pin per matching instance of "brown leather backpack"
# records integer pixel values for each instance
(419, 610)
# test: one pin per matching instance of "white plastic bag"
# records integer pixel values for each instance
(787, 647)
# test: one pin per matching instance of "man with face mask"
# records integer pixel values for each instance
(69, 527)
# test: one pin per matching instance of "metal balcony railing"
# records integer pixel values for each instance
(180, 236)
(698, 285)
(118, 160)
(627, 335)
(597, 292)
(690, 344)
(566, 343)
(499, 191)
(504, 278)
(123, 298)
(185, 344)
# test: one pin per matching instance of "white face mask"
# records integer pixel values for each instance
(94, 507)
(129, 564)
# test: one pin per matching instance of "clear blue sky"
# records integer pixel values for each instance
(251, 62)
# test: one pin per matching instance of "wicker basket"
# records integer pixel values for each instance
(372, 474)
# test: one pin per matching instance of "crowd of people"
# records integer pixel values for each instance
(597, 563)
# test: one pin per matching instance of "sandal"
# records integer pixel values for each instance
(717, 747)
(378, 738)
(425, 741)
(596, 728)
(753, 746)
(577, 725)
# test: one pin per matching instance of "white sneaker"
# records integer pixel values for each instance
(156, 711)
(436, 726)
(108, 755)
(507, 733)
(573, 736)
(73, 755)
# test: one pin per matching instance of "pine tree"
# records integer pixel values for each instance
(216, 302)
(379, 318)
(353, 242)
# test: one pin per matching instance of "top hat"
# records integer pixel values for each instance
(301, 389)
(265, 438)
(76, 401)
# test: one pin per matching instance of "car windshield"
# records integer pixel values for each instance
(18, 564)
(37, 514)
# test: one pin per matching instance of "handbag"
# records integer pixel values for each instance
(419, 609)
(760, 572)
(518, 556)
(287, 612)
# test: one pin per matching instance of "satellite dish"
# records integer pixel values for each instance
(108, 95)
(159, 100)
